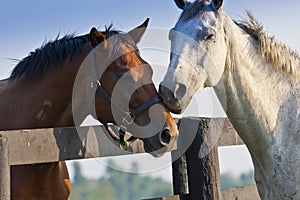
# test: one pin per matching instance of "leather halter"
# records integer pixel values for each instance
(128, 116)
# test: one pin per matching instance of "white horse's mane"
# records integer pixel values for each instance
(280, 56)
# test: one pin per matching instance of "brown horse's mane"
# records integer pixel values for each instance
(52, 53)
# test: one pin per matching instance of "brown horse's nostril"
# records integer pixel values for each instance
(165, 137)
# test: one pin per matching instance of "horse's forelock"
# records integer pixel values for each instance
(193, 10)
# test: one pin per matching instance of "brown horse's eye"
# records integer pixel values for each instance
(124, 60)
(124, 75)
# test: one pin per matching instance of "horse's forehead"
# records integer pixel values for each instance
(126, 48)
(204, 17)
(197, 24)
(196, 9)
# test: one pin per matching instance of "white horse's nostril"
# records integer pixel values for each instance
(180, 91)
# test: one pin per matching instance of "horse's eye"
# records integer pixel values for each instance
(210, 37)
(124, 76)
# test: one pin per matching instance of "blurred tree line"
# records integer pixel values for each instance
(229, 181)
(119, 185)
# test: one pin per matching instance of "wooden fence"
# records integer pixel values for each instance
(196, 178)
(193, 177)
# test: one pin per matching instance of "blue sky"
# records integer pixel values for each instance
(26, 25)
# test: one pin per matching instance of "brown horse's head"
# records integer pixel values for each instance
(132, 100)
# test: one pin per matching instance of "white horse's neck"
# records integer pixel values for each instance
(263, 106)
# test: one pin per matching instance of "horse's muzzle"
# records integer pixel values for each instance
(161, 143)
(170, 100)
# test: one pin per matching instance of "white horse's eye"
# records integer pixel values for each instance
(210, 37)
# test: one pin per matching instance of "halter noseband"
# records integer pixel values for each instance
(128, 116)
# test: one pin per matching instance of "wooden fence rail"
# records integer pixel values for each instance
(57, 144)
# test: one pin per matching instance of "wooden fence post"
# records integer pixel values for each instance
(180, 177)
(4, 169)
(203, 173)
(196, 178)
(179, 169)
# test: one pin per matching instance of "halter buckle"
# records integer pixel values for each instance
(125, 146)
(95, 84)
(127, 119)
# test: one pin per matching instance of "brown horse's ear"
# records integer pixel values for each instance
(218, 4)
(97, 37)
(137, 33)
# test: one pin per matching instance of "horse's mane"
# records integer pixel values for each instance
(48, 55)
(52, 53)
(276, 53)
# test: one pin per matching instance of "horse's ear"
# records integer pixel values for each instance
(181, 3)
(218, 4)
(137, 33)
(97, 37)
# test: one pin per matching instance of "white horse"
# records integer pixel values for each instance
(257, 80)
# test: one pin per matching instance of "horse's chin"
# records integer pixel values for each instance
(173, 106)
(177, 108)
(155, 153)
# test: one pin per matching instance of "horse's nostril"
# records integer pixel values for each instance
(164, 91)
(165, 136)
(180, 92)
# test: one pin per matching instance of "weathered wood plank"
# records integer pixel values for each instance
(229, 136)
(51, 145)
(54, 144)
(241, 193)
(223, 128)
(176, 197)
(4, 169)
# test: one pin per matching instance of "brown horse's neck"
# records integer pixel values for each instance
(42, 101)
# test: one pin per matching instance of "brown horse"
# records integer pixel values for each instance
(42, 91)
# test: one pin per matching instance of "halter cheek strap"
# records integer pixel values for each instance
(128, 116)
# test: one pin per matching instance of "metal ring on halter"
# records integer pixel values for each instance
(117, 138)
(95, 84)
(125, 145)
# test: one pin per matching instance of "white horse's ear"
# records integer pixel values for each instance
(218, 4)
(181, 3)
(137, 33)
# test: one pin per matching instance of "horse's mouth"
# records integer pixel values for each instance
(172, 103)
(158, 149)
(174, 109)
(155, 152)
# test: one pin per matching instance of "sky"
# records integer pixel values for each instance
(26, 25)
